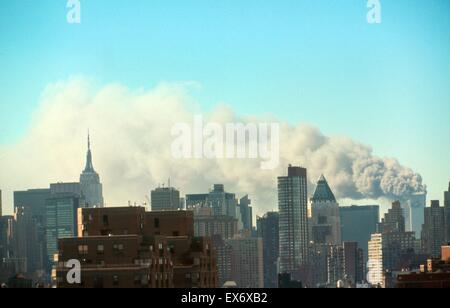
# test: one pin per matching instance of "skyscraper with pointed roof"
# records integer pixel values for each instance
(91, 187)
(325, 219)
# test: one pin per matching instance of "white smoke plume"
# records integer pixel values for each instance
(131, 139)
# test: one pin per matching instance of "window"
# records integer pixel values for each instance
(115, 280)
(100, 249)
(83, 249)
(118, 248)
(157, 223)
(137, 279)
(105, 220)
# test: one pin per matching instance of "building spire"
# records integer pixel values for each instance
(323, 191)
(89, 166)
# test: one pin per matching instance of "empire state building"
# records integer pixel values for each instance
(91, 187)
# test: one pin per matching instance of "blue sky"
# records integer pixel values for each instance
(315, 61)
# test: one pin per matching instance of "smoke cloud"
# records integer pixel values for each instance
(131, 140)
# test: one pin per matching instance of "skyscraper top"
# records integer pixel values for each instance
(296, 171)
(89, 166)
(323, 191)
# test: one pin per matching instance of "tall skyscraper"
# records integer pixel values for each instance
(325, 219)
(358, 223)
(33, 201)
(293, 211)
(28, 246)
(61, 220)
(413, 210)
(246, 213)
(433, 233)
(165, 199)
(268, 230)
(447, 213)
(91, 187)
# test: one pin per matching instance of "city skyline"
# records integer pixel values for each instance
(202, 146)
(387, 103)
(312, 187)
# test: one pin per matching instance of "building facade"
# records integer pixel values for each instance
(293, 220)
(208, 225)
(325, 220)
(433, 233)
(388, 247)
(222, 202)
(268, 231)
(247, 262)
(414, 213)
(165, 199)
(61, 220)
(146, 250)
(246, 212)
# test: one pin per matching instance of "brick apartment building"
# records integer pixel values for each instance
(433, 275)
(131, 248)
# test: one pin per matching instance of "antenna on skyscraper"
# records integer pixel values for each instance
(89, 140)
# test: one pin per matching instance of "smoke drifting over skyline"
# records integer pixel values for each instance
(131, 140)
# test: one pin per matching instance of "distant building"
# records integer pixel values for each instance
(293, 221)
(61, 220)
(447, 213)
(325, 220)
(165, 199)
(433, 234)
(208, 225)
(222, 203)
(285, 282)
(387, 247)
(90, 184)
(345, 262)
(128, 247)
(28, 246)
(247, 262)
(358, 223)
(268, 231)
(224, 253)
(414, 213)
(394, 220)
(246, 212)
(66, 188)
(35, 200)
(1, 204)
(9, 263)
